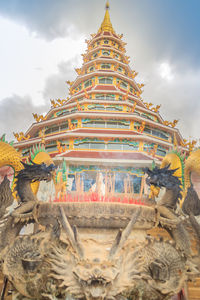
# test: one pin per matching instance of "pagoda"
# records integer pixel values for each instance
(103, 134)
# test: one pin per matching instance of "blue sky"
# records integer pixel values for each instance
(42, 42)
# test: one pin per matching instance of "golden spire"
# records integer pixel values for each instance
(106, 24)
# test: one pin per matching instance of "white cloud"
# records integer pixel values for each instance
(165, 71)
(27, 61)
(176, 90)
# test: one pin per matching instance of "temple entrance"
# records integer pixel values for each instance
(115, 184)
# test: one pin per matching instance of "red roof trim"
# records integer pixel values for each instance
(105, 87)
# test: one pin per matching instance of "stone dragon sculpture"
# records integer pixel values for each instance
(111, 256)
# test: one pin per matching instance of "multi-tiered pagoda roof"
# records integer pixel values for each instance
(103, 133)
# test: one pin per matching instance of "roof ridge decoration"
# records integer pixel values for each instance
(106, 25)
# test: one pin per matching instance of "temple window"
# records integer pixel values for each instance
(91, 69)
(106, 53)
(105, 66)
(122, 146)
(131, 89)
(106, 124)
(89, 145)
(51, 146)
(57, 128)
(96, 107)
(161, 151)
(94, 123)
(118, 124)
(64, 126)
(95, 54)
(114, 108)
(52, 129)
(103, 97)
(120, 69)
(106, 42)
(105, 80)
(99, 145)
(124, 85)
(88, 83)
(111, 97)
(147, 147)
(100, 96)
(157, 133)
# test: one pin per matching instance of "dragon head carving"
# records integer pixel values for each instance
(162, 177)
(36, 172)
(96, 277)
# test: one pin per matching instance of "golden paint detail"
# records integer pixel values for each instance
(156, 109)
(106, 25)
(154, 191)
(192, 164)
(39, 118)
(185, 169)
(20, 136)
(189, 144)
(175, 163)
(9, 156)
(41, 157)
(172, 124)
(148, 105)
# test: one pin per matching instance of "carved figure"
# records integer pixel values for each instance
(70, 82)
(39, 118)
(134, 106)
(189, 144)
(78, 71)
(156, 109)
(86, 94)
(142, 127)
(172, 124)
(59, 261)
(20, 136)
(148, 105)
(54, 104)
(140, 85)
(125, 97)
(167, 204)
(134, 74)
(71, 125)
(61, 102)
(78, 105)
(60, 148)
(30, 173)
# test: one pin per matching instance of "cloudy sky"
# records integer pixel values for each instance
(41, 42)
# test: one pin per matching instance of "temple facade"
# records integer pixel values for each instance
(103, 134)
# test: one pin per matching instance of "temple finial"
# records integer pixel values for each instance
(107, 5)
(106, 24)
